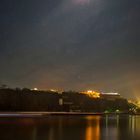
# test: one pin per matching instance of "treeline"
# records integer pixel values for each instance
(27, 100)
(31, 100)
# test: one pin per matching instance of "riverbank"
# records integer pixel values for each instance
(45, 114)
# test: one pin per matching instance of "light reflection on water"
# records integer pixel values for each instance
(109, 127)
(92, 130)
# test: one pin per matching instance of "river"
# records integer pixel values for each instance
(59, 127)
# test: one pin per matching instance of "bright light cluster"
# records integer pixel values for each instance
(92, 94)
(35, 88)
(110, 93)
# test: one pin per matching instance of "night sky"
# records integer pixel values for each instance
(71, 45)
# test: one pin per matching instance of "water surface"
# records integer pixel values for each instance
(108, 127)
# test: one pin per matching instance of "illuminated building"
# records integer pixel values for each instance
(110, 96)
(92, 94)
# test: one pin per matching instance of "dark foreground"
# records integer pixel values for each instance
(70, 127)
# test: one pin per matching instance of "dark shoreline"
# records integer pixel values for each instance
(45, 114)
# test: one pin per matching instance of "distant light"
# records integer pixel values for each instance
(53, 90)
(129, 101)
(61, 101)
(111, 93)
(89, 91)
(138, 102)
(92, 94)
(35, 89)
(117, 110)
